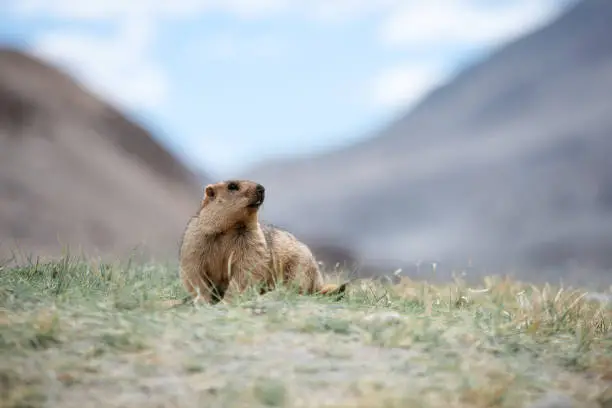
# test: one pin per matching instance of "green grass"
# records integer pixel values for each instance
(76, 333)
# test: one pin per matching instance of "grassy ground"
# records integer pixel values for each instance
(79, 334)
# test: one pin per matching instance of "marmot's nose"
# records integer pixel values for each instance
(260, 189)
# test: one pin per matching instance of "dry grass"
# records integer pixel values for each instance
(80, 334)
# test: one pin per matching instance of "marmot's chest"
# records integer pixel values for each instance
(242, 246)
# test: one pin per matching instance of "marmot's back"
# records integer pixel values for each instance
(292, 259)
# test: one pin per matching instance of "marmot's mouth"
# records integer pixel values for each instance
(256, 204)
(259, 199)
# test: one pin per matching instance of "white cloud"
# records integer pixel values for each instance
(439, 26)
(121, 66)
(333, 10)
(402, 86)
(441, 22)
(117, 67)
(230, 47)
(336, 11)
(98, 10)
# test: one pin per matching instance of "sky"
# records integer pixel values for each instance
(226, 84)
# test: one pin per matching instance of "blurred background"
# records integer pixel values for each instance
(431, 136)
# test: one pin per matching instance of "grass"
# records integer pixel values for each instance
(75, 333)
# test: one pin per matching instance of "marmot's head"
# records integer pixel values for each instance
(232, 202)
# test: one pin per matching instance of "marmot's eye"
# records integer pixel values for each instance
(232, 186)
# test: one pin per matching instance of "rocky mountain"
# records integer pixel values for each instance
(507, 165)
(76, 172)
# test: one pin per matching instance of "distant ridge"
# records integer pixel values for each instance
(506, 165)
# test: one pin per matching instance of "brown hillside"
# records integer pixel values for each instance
(75, 171)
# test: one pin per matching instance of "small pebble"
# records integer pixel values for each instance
(553, 400)
(383, 317)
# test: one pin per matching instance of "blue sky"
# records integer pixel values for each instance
(229, 82)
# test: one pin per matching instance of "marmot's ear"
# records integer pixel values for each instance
(209, 191)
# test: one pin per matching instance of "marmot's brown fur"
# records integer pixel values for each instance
(225, 242)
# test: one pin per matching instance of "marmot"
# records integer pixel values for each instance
(225, 242)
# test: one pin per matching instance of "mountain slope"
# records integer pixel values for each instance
(75, 171)
(507, 164)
